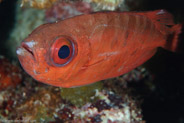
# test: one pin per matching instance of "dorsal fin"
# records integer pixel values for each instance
(161, 16)
(162, 20)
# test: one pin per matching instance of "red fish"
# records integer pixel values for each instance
(89, 48)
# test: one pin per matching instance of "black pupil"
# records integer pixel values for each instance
(64, 52)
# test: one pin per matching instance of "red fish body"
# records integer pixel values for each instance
(88, 48)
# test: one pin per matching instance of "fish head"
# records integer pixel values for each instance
(53, 55)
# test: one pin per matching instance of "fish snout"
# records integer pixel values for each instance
(26, 56)
(26, 50)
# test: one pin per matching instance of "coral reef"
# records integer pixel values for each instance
(107, 101)
(110, 108)
(81, 95)
(10, 98)
(26, 20)
(111, 5)
(96, 4)
(63, 10)
(10, 75)
(41, 4)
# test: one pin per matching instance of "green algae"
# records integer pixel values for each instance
(42, 115)
(81, 95)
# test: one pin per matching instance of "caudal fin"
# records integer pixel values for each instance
(173, 40)
(164, 22)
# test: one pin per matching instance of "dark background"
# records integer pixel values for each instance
(7, 19)
(166, 103)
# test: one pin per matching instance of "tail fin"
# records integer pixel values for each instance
(164, 22)
(174, 38)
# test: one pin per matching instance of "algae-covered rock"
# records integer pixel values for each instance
(99, 5)
(26, 20)
(81, 95)
(40, 107)
(40, 4)
(10, 74)
(110, 100)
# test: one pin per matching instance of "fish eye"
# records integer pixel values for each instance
(62, 51)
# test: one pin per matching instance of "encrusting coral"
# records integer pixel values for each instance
(63, 10)
(106, 4)
(10, 75)
(41, 4)
(107, 101)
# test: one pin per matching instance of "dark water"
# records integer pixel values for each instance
(7, 19)
(166, 103)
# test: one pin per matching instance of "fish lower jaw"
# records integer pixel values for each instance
(22, 52)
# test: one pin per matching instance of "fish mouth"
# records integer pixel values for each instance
(25, 50)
